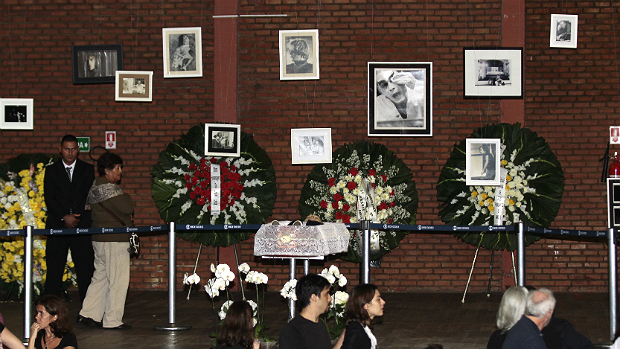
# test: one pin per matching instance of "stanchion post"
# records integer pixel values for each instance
(613, 283)
(172, 269)
(291, 301)
(520, 254)
(306, 266)
(27, 281)
(365, 225)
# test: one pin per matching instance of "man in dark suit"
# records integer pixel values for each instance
(66, 185)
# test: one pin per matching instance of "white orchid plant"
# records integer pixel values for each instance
(339, 299)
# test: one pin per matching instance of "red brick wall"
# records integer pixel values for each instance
(571, 98)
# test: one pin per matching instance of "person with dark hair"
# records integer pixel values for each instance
(182, 56)
(66, 186)
(110, 207)
(305, 331)
(52, 328)
(364, 304)
(300, 52)
(237, 330)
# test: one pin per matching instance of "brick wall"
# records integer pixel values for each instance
(571, 98)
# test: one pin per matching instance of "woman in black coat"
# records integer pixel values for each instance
(364, 304)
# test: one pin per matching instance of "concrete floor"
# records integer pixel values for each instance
(411, 320)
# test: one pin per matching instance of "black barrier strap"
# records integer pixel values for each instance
(375, 226)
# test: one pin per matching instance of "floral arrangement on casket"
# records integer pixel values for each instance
(362, 174)
(533, 193)
(181, 187)
(22, 203)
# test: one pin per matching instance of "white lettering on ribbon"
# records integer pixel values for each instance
(216, 189)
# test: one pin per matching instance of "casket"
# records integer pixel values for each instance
(273, 240)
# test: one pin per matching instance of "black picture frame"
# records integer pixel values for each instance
(491, 72)
(222, 140)
(96, 64)
(415, 118)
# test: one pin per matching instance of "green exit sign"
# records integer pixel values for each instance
(84, 143)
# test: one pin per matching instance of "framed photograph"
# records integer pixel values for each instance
(400, 99)
(299, 54)
(182, 52)
(16, 113)
(482, 161)
(311, 145)
(96, 64)
(222, 140)
(134, 86)
(493, 73)
(563, 33)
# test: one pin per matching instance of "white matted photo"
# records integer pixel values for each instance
(482, 161)
(299, 54)
(182, 52)
(563, 33)
(493, 72)
(311, 145)
(16, 113)
(222, 140)
(134, 86)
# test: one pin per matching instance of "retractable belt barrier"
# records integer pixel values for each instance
(519, 229)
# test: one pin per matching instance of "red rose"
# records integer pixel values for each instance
(193, 167)
(323, 204)
(392, 193)
(331, 182)
(197, 190)
(373, 185)
(194, 180)
(200, 201)
(384, 178)
(192, 196)
(233, 168)
(204, 184)
(346, 218)
(204, 193)
(353, 171)
(392, 204)
(203, 167)
(372, 172)
(188, 186)
(337, 197)
(338, 215)
(203, 160)
(205, 174)
(223, 164)
(232, 201)
(351, 185)
(213, 160)
(335, 205)
(390, 221)
(383, 206)
(346, 207)
(186, 177)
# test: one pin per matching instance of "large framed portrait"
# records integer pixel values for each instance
(311, 145)
(222, 140)
(482, 161)
(400, 99)
(493, 72)
(299, 54)
(16, 113)
(182, 52)
(96, 64)
(134, 86)
(563, 33)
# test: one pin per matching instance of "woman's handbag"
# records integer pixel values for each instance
(134, 239)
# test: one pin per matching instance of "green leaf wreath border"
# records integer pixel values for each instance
(537, 187)
(252, 187)
(369, 160)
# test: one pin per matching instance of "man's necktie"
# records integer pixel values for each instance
(69, 173)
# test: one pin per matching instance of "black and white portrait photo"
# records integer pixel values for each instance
(299, 54)
(311, 145)
(563, 33)
(222, 140)
(182, 52)
(483, 161)
(493, 72)
(134, 86)
(96, 64)
(16, 113)
(399, 99)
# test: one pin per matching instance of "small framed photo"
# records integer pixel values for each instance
(134, 86)
(182, 52)
(400, 99)
(482, 161)
(493, 72)
(299, 54)
(563, 33)
(311, 145)
(222, 140)
(16, 113)
(96, 64)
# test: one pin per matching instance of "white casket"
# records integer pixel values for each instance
(301, 240)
